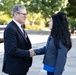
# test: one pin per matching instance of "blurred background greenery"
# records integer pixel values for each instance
(39, 12)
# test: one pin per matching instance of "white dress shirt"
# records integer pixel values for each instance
(18, 24)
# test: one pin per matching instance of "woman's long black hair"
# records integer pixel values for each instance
(60, 30)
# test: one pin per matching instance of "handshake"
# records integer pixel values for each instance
(32, 53)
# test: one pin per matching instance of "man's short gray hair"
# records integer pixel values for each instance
(17, 8)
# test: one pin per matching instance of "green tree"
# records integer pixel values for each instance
(7, 5)
(45, 7)
(71, 8)
(71, 11)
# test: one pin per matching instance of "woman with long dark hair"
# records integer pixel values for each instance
(58, 45)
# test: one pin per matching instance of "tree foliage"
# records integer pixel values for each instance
(7, 5)
(45, 7)
(71, 11)
(71, 8)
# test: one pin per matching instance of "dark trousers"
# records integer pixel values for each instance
(17, 74)
(50, 73)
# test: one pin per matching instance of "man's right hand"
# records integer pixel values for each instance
(32, 53)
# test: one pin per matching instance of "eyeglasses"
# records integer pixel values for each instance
(22, 13)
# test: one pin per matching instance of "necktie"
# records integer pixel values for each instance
(23, 26)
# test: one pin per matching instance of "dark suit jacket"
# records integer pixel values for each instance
(16, 55)
(53, 56)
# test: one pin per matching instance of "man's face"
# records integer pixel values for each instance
(21, 16)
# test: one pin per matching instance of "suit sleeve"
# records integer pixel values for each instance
(10, 40)
(61, 59)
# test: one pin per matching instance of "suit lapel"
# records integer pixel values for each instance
(18, 29)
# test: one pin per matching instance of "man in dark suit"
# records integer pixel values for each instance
(17, 46)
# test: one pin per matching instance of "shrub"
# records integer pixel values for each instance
(4, 19)
(35, 27)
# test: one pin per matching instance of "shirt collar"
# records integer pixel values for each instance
(18, 24)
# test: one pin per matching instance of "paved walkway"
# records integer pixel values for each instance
(39, 40)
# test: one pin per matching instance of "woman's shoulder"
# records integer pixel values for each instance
(62, 46)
